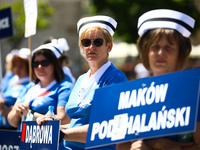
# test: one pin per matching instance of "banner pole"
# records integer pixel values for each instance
(30, 47)
(1, 77)
(30, 71)
(1, 70)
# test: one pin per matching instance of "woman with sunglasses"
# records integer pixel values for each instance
(95, 41)
(47, 89)
(63, 59)
(164, 47)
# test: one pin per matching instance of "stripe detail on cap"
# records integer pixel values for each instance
(166, 18)
(50, 46)
(189, 28)
(105, 22)
(97, 21)
(57, 50)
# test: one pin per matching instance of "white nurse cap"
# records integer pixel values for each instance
(62, 42)
(165, 18)
(104, 22)
(24, 53)
(51, 46)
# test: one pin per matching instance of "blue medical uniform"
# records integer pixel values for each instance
(6, 80)
(79, 114)
(11, 93)
(67, 78)
(57, 95)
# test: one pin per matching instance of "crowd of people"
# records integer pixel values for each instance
(163, 45)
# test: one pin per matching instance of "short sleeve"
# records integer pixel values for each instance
(64, 92)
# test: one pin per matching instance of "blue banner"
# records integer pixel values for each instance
(6, 27)
(10, 140)
(145, 108)
(45, 136)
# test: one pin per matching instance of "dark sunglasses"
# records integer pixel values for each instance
(44, 63)
(87, 42)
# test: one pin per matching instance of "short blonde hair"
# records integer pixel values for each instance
(85, 33)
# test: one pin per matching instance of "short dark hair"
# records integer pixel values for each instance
(58, 72)
(145, 41)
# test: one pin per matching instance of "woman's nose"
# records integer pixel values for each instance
(39, 66)
(161, 51)
(92, 45)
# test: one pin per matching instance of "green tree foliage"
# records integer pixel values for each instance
(127, 12)
(44, 12)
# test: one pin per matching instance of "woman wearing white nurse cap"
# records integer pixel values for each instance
(104, 22)
(166, 18)
(51, 46)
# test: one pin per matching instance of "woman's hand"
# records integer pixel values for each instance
(2, 104)
(5, 111)
(64, 127)
(42, 118)
(21, 109)
(139, 145)
(133, 145)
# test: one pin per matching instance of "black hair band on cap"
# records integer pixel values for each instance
(171, 20)
(97, 21)
(57, 50)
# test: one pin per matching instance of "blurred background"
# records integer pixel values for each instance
(58, 19)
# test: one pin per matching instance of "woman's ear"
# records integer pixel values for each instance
(110, 45)
(82, 51)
